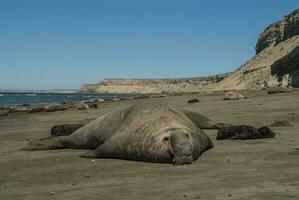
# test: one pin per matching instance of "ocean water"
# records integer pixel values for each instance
(34, 98)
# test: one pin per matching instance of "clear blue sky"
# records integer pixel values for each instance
(63, 43)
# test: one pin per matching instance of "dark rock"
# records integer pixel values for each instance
(244, 132)
(193, 101)
(65, 129)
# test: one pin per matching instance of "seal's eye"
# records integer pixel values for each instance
(166, 138)
(187, 135)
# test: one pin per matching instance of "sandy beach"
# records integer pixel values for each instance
(251, 169)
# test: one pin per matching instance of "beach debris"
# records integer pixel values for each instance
(280, 123)
(277, 90)
(55, 107)
(193, 100)
(231, 95)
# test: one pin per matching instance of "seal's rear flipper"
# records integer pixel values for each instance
(202, 121)
(89, 154)
(46, 144)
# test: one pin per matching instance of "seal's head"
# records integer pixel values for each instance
(266, 132)
(181, 146)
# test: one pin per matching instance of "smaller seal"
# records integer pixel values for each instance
(65, 129)
(244, 132)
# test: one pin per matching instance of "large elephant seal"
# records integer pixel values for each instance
(149, 131)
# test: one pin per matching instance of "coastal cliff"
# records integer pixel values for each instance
(276, 63)
(279, 31)
(88, 88)
(152, 86)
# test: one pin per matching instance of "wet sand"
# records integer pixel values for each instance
(251, 169)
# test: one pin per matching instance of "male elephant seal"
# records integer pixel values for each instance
(150, 131)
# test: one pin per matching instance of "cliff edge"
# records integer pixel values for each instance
(154, 86)
(276, 63)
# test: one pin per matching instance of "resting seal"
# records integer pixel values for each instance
(244, 132)
(65, 129)
(149, 131)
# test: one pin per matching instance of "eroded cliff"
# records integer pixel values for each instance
(275, 64)
(152, 86)
(279, 31)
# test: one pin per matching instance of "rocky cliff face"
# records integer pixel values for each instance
(88, 88)
(152, 86)
(274, 66)
(276, 62)
(279, 31)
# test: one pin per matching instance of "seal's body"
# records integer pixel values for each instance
(244, 132)
(149, 131)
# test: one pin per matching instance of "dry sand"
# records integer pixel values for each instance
(252, 169)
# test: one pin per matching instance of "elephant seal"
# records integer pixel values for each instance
(244, 132)
(148, 131)
(65, 129)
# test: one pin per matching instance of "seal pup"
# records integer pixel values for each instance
(65, 129)
(244, 132)
(148, 131)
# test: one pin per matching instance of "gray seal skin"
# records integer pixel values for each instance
(149, 131)
(244, 132)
